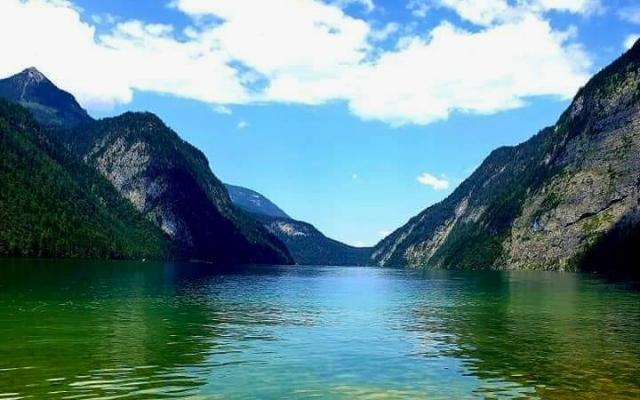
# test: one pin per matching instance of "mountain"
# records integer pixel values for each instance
(170, 183)
(307, 245)
(166, 180)
(50, 106)
(566, 199)
(51, 205)
(253, 202)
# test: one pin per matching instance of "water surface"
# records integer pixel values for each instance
(113, 330)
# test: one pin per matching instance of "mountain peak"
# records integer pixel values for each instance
(33, 75)
(49, 104)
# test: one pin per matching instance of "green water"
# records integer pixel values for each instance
(80, 330)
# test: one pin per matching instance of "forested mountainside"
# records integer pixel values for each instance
(51, 205)
(562, 200)
(167, 181)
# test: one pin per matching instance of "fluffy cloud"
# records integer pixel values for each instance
(457, 70)
(488, 12)
(430, 180)
(303, 51)
(105, 70)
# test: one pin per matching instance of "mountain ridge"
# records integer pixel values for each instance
(166, 179)
(545, 203)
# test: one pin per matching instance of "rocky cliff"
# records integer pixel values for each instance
(551, 202)
(170, 183)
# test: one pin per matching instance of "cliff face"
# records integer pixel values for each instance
(548, 203)
(170, 183)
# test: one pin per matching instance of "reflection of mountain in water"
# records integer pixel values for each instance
(123, 327)
(558, 335)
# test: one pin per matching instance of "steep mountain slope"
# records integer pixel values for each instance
(551, 202)
(307, 245)
(166, 179)
(54, 206)
(253, 202)
(49, 105)
(170, 183)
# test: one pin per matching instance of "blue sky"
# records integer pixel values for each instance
(353, 115)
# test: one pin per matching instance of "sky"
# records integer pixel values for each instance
(353, 115)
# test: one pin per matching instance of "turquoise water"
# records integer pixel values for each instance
(144, 330)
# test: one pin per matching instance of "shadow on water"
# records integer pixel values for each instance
(557, 335)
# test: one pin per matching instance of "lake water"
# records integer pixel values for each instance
(144, 330)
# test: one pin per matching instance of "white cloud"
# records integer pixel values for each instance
(385, 32)
(430, 180)
(475, 72)
(300, 51)
(242, 125)
(630, 14)
(488, 12)
(283, 37)
(631, 40)
(220, 109)
(102, 71)
(355, 176)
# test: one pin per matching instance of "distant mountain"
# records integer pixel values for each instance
(50, 106)
(164, 178)
(254, 202)
(52, 205)
(567, 199)
(307, 245)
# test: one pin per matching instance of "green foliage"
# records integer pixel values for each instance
(54, 206)
(597, 221)
(469, 246)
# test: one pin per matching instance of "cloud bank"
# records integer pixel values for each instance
(304, 52)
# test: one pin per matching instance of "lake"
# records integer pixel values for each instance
(136, 330)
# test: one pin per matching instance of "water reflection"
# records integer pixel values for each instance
(147, 330)
(553, 336)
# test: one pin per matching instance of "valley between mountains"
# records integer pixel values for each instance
(129, 187)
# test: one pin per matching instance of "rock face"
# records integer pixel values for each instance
(549, 203)
(307, 245)
(170, 183)
(164, 178)
(48, 104)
